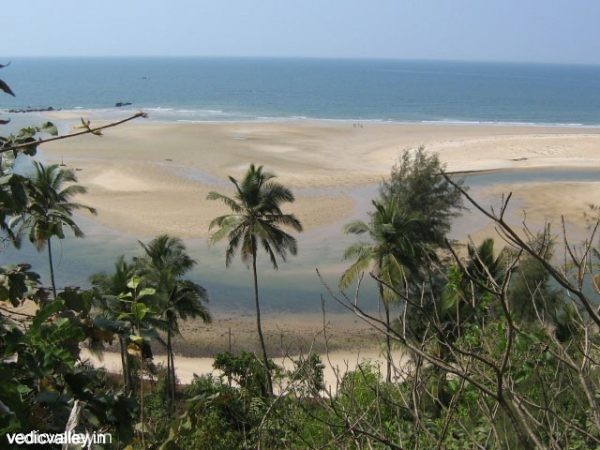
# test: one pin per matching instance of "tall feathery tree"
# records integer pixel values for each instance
(165, 263)
(417, 185)
(255, 221)
(50, 208)
(392, 254)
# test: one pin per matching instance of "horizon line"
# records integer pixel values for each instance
(342, 58)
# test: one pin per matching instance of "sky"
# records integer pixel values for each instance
(554, 31)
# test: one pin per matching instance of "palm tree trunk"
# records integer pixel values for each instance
(170, 369)
(168, 392)
(258, 324)
(51, 268)
(173, 377)
(388, 340)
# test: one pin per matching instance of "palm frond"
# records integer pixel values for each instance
(356, 268)
(288, 220)
(234, 242)
(218, 221)
(248, 247)
(356, 250)
(274, 193)
(72, 190)
(356, 227)
(231, 203)
(281, 241)
(227, 225)
(269, 250)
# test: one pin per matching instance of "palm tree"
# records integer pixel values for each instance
(392, 254)
(186, 301)
(113, 301)
(50, 208)
(107, 288)
(256, 219)
(165, 262)
(483, 263)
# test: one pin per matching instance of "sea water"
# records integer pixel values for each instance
(216, 89)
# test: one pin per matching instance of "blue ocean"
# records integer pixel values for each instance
(216, 89)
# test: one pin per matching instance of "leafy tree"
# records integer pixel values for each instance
(246, 370)
(13, 187)
(165, 263)
(392, 254)
(43, 375)
(13, 195)
(17, 282)
(139, 316)
(13, 200)
(221, 416)
(417, 185)
(217, 416)
(256, 219)
(106, 288)
(50, 208)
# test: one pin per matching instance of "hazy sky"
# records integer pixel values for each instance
(500, 30)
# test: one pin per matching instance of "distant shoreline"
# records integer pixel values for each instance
(159, 115)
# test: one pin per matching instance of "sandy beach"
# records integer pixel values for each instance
(336, 364)
(147, 177)
(343, 341)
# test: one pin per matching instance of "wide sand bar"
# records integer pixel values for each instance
(149, 177)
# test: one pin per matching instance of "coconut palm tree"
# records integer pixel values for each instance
(107, 287)
(483, 263)
(165, 262)
(256, 219)
(50, 208)
(466, 297)
(186, 300)
(165, 259)
(392, 254)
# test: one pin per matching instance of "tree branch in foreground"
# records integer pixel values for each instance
(87, 130)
